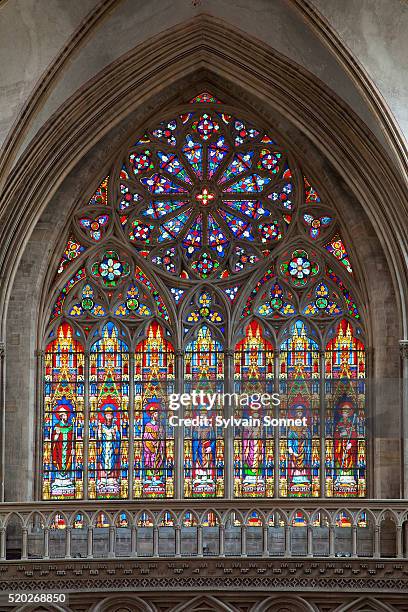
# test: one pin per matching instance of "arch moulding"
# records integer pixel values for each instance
(153, 76)
(204, 43)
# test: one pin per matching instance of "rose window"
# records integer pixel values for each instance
(205, 194)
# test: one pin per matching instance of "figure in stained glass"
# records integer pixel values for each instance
(109, 447)
(154, 437)
(299, 449)
(63, 416)
(345, 447)
(153, 444)
(204, 445)
(62, 447)
(254, 441)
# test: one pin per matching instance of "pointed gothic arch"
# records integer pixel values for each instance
(193, 211)
(218, 84)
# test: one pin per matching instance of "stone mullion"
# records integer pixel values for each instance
(322, 424)
(38, 467)
(24, 543)
(377, 541)
(354, 541)
(89, 545)
(131, 425)
(86, 421)
(68, 539)
(228, 411)
(178, 469)
(404, 359)
(2, 543)
(399, 544)
(276, 429)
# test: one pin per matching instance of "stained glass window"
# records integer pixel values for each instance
(299, 448)
(254, 446)
(345, 415)
(202, 194)
(153, 437)
(108, 457)
(63, 421)
(206, 236)
(72, 250)
(338, 250)
(204, 441)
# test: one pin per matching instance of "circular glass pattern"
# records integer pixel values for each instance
(110, 270)
(205, 194)
(299, 268)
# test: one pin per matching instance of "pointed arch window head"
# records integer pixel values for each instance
(204, 445)
(345, 416)
(254, 444)
(108, 456)
(300, 387)
(299, 352)
(154, 452)
(206, 236)
(63, 421)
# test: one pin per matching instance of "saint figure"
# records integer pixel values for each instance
(299, 449)
(62, 439)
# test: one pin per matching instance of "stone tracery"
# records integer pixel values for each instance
(208, 196)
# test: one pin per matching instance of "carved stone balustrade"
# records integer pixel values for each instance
(204, 528)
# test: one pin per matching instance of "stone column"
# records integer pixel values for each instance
(265, 551)
(133, 544)
(288, 548)
(68, 532)
(243, 540)
(46, 543)
(24, 543)
(155, 541)
(399, 542)
(90, 542)
(377, 542)
(38, 459)
(331, 541)
(2, 544)
(112, 533)
(354, 541)
(222, 541)
(199, 541)
(2, 418)
(404, 359)
(309, 541)
(405, 539)
(178, 540)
